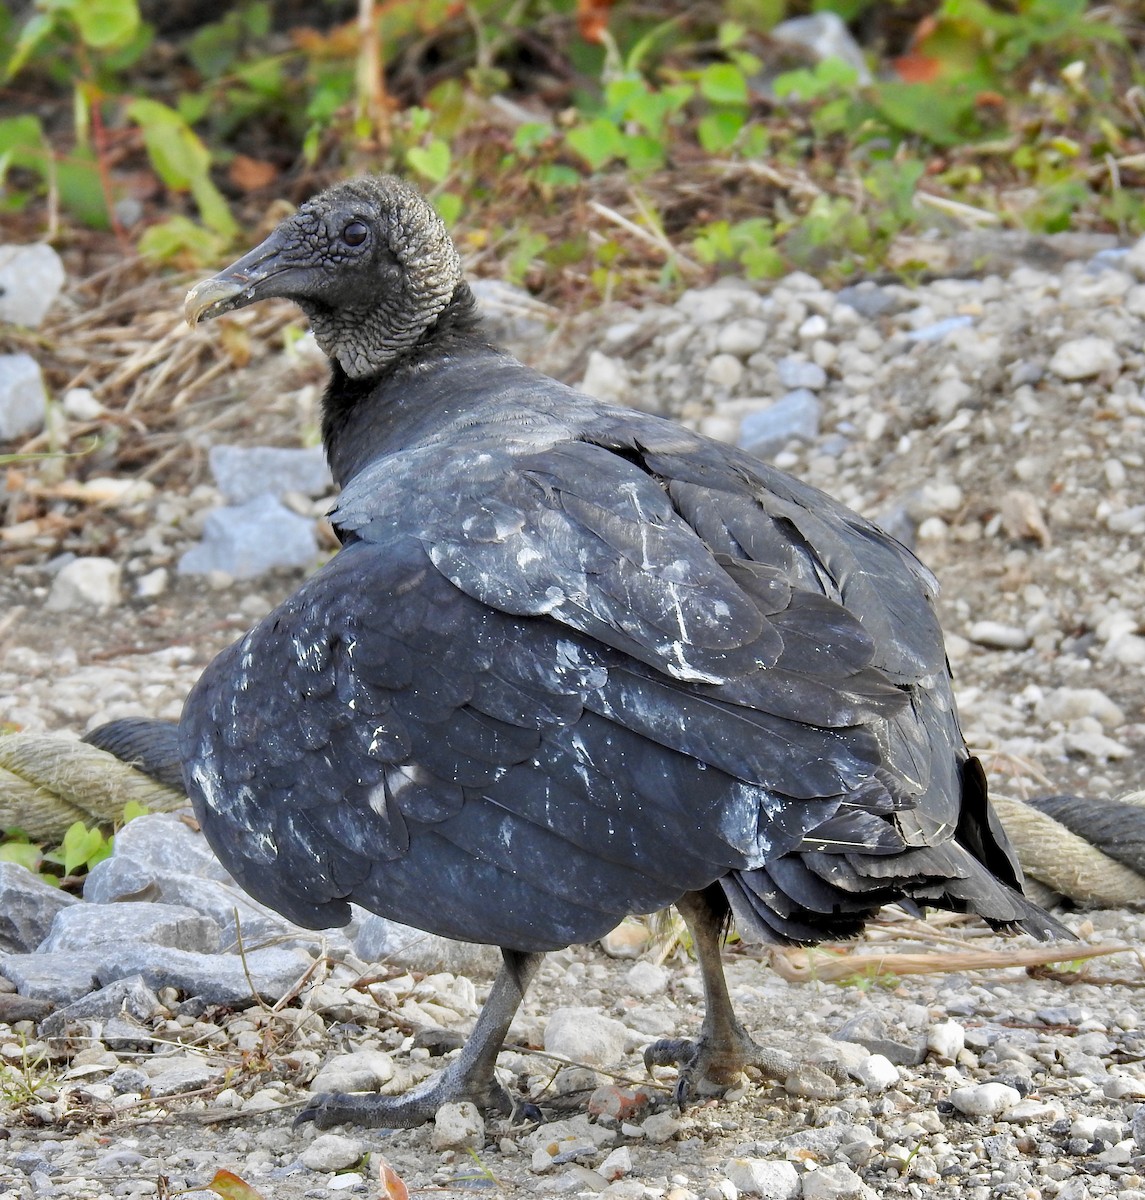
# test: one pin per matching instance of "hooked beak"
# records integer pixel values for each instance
(253, 277)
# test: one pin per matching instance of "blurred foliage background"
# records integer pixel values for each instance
(582, 148)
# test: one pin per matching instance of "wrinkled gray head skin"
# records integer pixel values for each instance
(369, 262)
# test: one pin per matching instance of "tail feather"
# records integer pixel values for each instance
(150, 746)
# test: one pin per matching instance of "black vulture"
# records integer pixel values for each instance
(571, 662)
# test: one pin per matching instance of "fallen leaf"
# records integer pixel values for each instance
(251, 174)
(392, 1186)
(917, 68)
(228, 1185)
(592, 19)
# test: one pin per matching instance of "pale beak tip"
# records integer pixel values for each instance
(210, 298)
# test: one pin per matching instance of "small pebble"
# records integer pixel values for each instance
(458, 1127)
(768, 1178)
(332, 1152)
(1085, 357)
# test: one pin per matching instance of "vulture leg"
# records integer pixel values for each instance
(468, 1077)
(714, 1062)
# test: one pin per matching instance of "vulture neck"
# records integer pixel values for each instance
(365, 419)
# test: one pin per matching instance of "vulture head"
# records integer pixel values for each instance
(369, 262)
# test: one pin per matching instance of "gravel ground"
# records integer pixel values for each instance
(996, 422)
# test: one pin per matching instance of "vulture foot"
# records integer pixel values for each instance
(413, 1108)
(710, 1066)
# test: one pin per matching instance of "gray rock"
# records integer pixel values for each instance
(91, 926)
(809, 1081)
(60, 978)
(31, 277)
(836, 1181)
(877, 1073)
(714, 305)
(28, 906)
(458, 1127)
(1067, 704)
(80, 404)
(770, 1179)
(998, 636)
(511, 314)
(869, 300)
(984, 1099)
(124, 878)
(647, 979)
(742, 337)
(243, 473)
(171, 1076)
(824, 35)
(794, 416)
(362, 1071)
(127, 1079)
(906, 1047)
(586, 1035)
(381, 940)
(85, 584)
(1137, 1123)
(161, 842)
(213, 978)
(606, 378)
(129, 996)
(153, 584)
(1085, 357)
(332, 1152)
(23, 401)
(233, 911)
(798, 373)
(725, 370)
(660, 1127)
(946, 1039)
(251, 539)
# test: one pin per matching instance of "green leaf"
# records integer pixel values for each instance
(81, 189)
(133, 809)
(926, 110)
(22, 143)
(643, 153)
(175, 150)
(556, 175)
(432, 161)
(598, 142)
(721, 83)
(180, 238)
(449, 206)
(35, 30)
(81, 846)
(718, 131)
(104, 23)
(182, 161)
(24, 853)
(529, 137)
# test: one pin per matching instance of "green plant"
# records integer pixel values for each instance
(81, 847)
(101, 38)
(749, 245)
(29, 1081)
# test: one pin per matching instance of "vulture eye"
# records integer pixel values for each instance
(355, 233)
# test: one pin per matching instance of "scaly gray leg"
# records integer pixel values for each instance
(714, 1062)
(469, 1076)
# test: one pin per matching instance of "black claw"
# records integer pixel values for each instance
(527, 1113)
(670, 1052)
(683, 1093)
